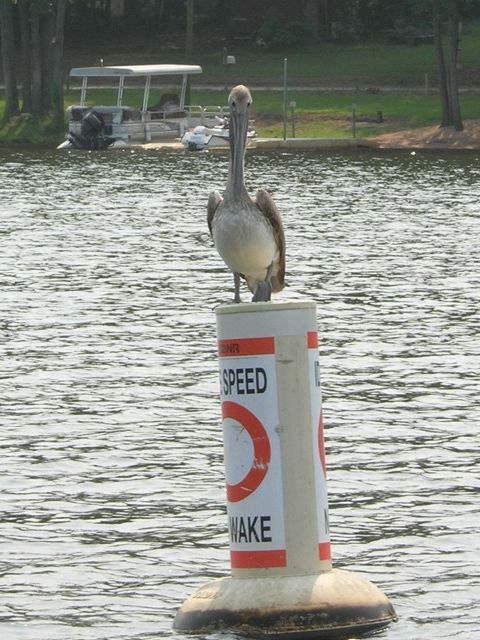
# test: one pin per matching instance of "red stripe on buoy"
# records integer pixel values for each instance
(324, 551)
(246, 347)
(261, 450)
(258, 559)
(312, 340)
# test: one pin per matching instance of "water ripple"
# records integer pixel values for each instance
(112, 505)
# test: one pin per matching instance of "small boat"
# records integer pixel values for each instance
(119, 125)
(204, 137)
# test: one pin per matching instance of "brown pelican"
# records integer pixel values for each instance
(248, 233)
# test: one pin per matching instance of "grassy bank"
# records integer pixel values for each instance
(319, 113)
(325, 114)
(329, 114)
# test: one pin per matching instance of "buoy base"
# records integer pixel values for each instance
(332, 605)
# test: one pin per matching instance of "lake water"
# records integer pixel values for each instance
(112, 488)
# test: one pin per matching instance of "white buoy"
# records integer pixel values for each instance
(282, 584)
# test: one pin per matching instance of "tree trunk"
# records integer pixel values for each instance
(8, 59)
(36, 61)
(117, 8)
(57, 75)
(446, 119)
(189, 29)
(310, 19)
(447, 72)
(24, 23)
(46, 37)
(452, 67)
(159, 11)
(189, 42)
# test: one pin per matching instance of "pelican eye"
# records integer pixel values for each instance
(233, 103)
(248, 103)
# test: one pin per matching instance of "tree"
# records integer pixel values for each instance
(57, 54)
(454, 99)
(189, 22)
(41, 26)
(310, 19)
(8, 59)
(189, 28)
(447, 69)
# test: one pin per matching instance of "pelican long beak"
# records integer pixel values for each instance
(238, 142)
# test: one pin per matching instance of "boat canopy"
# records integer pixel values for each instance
(135, 71)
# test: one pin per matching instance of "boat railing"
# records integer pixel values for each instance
(132, 123)
(205, 114)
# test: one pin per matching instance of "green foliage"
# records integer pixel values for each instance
(276, 35)
(42, 6)
(421, 8)
(347, 26)
(26, 130)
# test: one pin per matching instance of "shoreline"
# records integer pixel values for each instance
(432, 138)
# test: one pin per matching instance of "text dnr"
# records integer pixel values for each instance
(250, 380)
(250, 528)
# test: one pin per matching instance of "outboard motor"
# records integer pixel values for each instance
(91, 132)
(92, 124)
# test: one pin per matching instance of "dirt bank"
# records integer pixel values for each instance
(435, 137)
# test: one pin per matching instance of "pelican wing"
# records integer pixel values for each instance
(214, 200)
(267, 206)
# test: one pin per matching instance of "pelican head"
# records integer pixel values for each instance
(239, 101)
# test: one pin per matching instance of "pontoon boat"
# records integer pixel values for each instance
(102, 127)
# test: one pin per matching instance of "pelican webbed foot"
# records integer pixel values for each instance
(263, 292)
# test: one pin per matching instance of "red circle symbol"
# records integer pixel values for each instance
(261, 451)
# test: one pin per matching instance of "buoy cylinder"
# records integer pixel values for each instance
(282, 584)
(273, 439)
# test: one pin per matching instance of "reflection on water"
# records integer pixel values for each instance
(112, 504)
